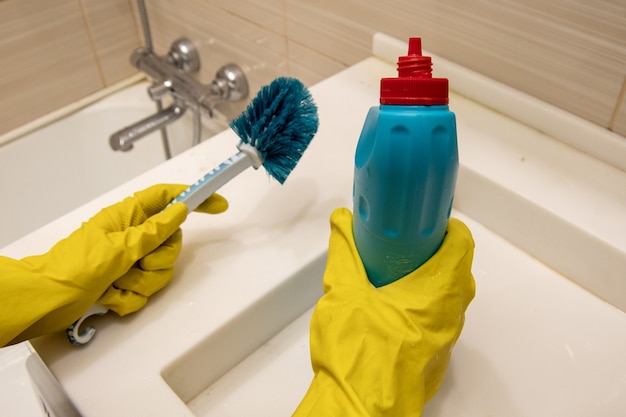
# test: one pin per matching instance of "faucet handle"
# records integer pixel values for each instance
(230, 83)
(184, 55)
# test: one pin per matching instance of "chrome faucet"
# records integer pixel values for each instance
(171, 76)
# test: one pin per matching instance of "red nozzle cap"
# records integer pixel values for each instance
(415, 83)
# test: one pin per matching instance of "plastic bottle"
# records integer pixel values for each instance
(406, 165)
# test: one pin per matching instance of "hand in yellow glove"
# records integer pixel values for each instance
(119, 258)
(384, 351)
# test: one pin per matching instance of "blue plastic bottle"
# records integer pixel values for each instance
(406, 165)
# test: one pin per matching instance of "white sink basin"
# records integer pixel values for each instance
(220, 353)
(534, 344)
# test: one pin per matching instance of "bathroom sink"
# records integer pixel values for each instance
(247, 334)
(534, 344)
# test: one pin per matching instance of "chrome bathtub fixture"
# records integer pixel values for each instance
(171, 76)
(122, 140)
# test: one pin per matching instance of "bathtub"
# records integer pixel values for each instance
(69, 162)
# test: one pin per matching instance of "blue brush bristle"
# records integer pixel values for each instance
(279, 122)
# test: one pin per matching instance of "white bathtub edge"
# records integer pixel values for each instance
(69, 109)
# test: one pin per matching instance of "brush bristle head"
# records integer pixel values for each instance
(279, 122)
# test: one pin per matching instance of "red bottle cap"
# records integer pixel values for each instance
(415, 83)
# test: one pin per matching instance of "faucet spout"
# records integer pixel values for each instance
(122, 140)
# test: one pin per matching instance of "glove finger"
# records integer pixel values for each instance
(163, 257)
(123, 302)
(457, 242)
(142, 282)
(155, 198)
(118, 216)
(133, 211)
(448, 270)
(140, 240)
(344, 266)
(213, 205)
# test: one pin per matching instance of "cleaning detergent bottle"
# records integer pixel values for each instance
(406, 165)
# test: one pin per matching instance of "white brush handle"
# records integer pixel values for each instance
(213, 180)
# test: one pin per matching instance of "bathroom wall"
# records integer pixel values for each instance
(571, 53)
(54, 52)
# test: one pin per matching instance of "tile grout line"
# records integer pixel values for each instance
(286, 35)
(620, 100)
(92, 42)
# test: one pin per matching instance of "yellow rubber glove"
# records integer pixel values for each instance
(118, 258)
(384, 351)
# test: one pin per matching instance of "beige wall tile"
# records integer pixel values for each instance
(530, 46)
(329, 28)
(114, 34)
(46, 59)
(310, 66)
(269, 14)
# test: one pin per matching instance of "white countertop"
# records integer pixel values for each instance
(534, 340)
